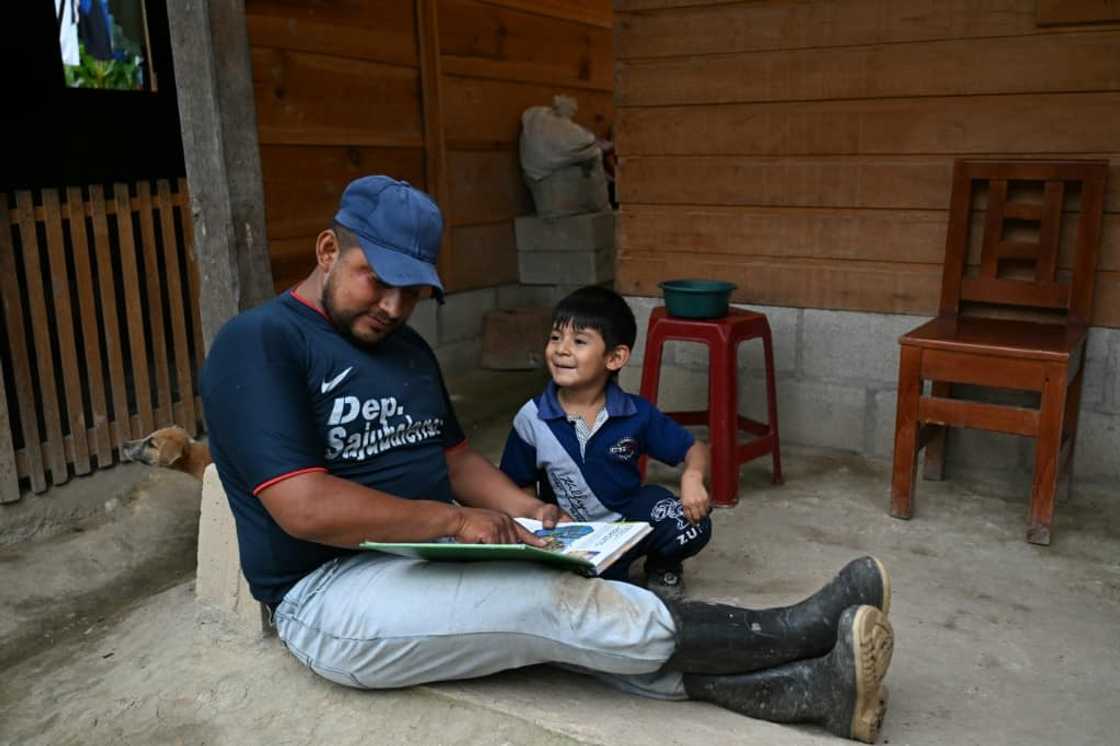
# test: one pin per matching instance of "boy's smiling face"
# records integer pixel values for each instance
(579, 358)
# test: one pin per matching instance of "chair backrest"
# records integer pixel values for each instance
(1050, 271)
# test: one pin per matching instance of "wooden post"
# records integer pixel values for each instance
(214, 85)
(435, 144)
(217, 115)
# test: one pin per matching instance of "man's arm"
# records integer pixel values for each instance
(478, 483)
(328, 510)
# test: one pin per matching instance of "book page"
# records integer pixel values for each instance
(597, 543)
(587, 548)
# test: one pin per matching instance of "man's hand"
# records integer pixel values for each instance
(479, 526)
(549, 515)
(694, 497)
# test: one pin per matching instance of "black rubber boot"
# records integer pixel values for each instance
(842, 691)
(722, 639)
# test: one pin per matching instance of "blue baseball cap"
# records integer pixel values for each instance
(399, 228)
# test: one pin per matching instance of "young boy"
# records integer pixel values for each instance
(581, 441)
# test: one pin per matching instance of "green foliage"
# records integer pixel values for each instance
(112, 74)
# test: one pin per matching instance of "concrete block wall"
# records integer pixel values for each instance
(837, 378)
(454, 330)
(572, 250)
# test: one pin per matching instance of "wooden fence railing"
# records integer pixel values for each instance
(101, 340)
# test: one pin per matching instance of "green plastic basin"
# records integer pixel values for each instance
(696, 299)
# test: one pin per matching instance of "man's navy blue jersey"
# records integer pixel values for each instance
(285, 393)
(597, 483)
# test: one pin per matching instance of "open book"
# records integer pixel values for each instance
(588, 548)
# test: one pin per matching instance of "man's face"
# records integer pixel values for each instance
(362, 306)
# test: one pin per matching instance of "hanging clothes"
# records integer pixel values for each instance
(95, 29)
(68, 31)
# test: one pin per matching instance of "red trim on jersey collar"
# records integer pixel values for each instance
(309, 304)
(276, 480)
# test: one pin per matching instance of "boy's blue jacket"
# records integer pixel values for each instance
(543, 447)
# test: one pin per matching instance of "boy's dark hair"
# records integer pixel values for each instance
(596, 307)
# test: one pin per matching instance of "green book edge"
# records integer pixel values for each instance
(447, 552)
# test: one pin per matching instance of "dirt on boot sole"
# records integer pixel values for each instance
(872, 645)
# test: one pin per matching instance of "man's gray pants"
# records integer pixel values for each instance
(378, 621)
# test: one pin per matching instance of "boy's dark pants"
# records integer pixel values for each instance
(673, 539)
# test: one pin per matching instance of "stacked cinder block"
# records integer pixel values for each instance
(555, 256)
(458, 330)
(514, 338)
(566, 252)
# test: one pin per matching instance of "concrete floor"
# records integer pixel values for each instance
(998, 641)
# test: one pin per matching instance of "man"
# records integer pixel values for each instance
(330, 424)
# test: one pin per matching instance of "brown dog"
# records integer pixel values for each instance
(172, 447)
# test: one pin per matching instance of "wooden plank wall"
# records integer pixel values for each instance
(498, 59)
(337, 89)
(340, 93)
(803, 148)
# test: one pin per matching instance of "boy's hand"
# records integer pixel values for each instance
(694, 497)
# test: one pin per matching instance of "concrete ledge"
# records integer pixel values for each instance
(220, 582)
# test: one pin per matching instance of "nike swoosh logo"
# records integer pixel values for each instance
(328, 385)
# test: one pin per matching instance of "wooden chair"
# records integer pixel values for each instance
(1014, 322)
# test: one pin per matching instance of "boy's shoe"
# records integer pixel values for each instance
(668, 585)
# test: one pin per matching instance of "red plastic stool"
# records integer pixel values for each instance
(723, 337)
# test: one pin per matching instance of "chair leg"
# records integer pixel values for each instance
(934, 465)
(1046, 452)
(651, 378)
(651, 367)
(772, 406)
(906, 432)
(723, 425)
